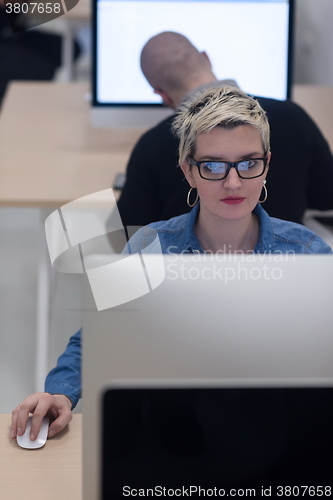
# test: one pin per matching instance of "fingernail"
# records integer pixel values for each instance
(19, 431)
(51, 433)
(12, 434)
(32, 436)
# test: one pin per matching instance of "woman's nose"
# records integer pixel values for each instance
(232, 181)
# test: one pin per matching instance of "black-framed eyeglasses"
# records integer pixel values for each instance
(218, 170)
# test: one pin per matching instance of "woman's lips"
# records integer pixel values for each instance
(233, 200)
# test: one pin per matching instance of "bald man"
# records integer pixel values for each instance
(174, 67)
(301, 168)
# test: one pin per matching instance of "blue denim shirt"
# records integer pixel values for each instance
(176, 236)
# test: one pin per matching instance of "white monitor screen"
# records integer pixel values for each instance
(247, 40)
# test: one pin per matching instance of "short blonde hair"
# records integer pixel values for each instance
(225, 106)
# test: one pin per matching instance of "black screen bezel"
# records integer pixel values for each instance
(98, 104)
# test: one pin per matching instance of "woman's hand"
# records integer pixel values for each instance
(41, 404)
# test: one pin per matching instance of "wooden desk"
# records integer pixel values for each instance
(82, 10)
(49, 152)
(317, 100)
(49, 473)
(50, 155)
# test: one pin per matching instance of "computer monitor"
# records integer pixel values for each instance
(259, 322)
(247, 40)
(196, 438)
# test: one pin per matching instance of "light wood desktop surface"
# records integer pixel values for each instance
(50, 154)
(82, 10)
(317, 100)
(49, 473)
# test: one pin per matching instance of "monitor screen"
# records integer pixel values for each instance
(216, 441)
(246, 40)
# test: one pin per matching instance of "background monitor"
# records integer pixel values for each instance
(247, 40)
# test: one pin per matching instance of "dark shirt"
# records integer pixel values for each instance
(300, 174)
(26, 54)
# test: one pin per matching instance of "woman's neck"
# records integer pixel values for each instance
(228, 236)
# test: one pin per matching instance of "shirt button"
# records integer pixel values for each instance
(196, 251)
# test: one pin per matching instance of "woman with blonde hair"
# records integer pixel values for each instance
(224, 153)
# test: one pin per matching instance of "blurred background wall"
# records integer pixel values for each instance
(313, 61)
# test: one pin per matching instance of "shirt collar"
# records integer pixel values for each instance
(191, 243)
(265, 239)
(202, 88)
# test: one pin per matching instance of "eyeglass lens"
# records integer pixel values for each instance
(218, 169)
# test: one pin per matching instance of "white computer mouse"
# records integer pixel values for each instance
(25, 441)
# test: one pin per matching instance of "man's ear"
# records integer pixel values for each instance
(166, 98)
(188, 173)
(204, 54)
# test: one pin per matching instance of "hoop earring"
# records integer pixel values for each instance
(188, 198)
(265, 191)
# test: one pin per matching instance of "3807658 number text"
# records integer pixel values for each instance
(301, 491)
(33, 8)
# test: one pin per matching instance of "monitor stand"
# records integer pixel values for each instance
(128, 116)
